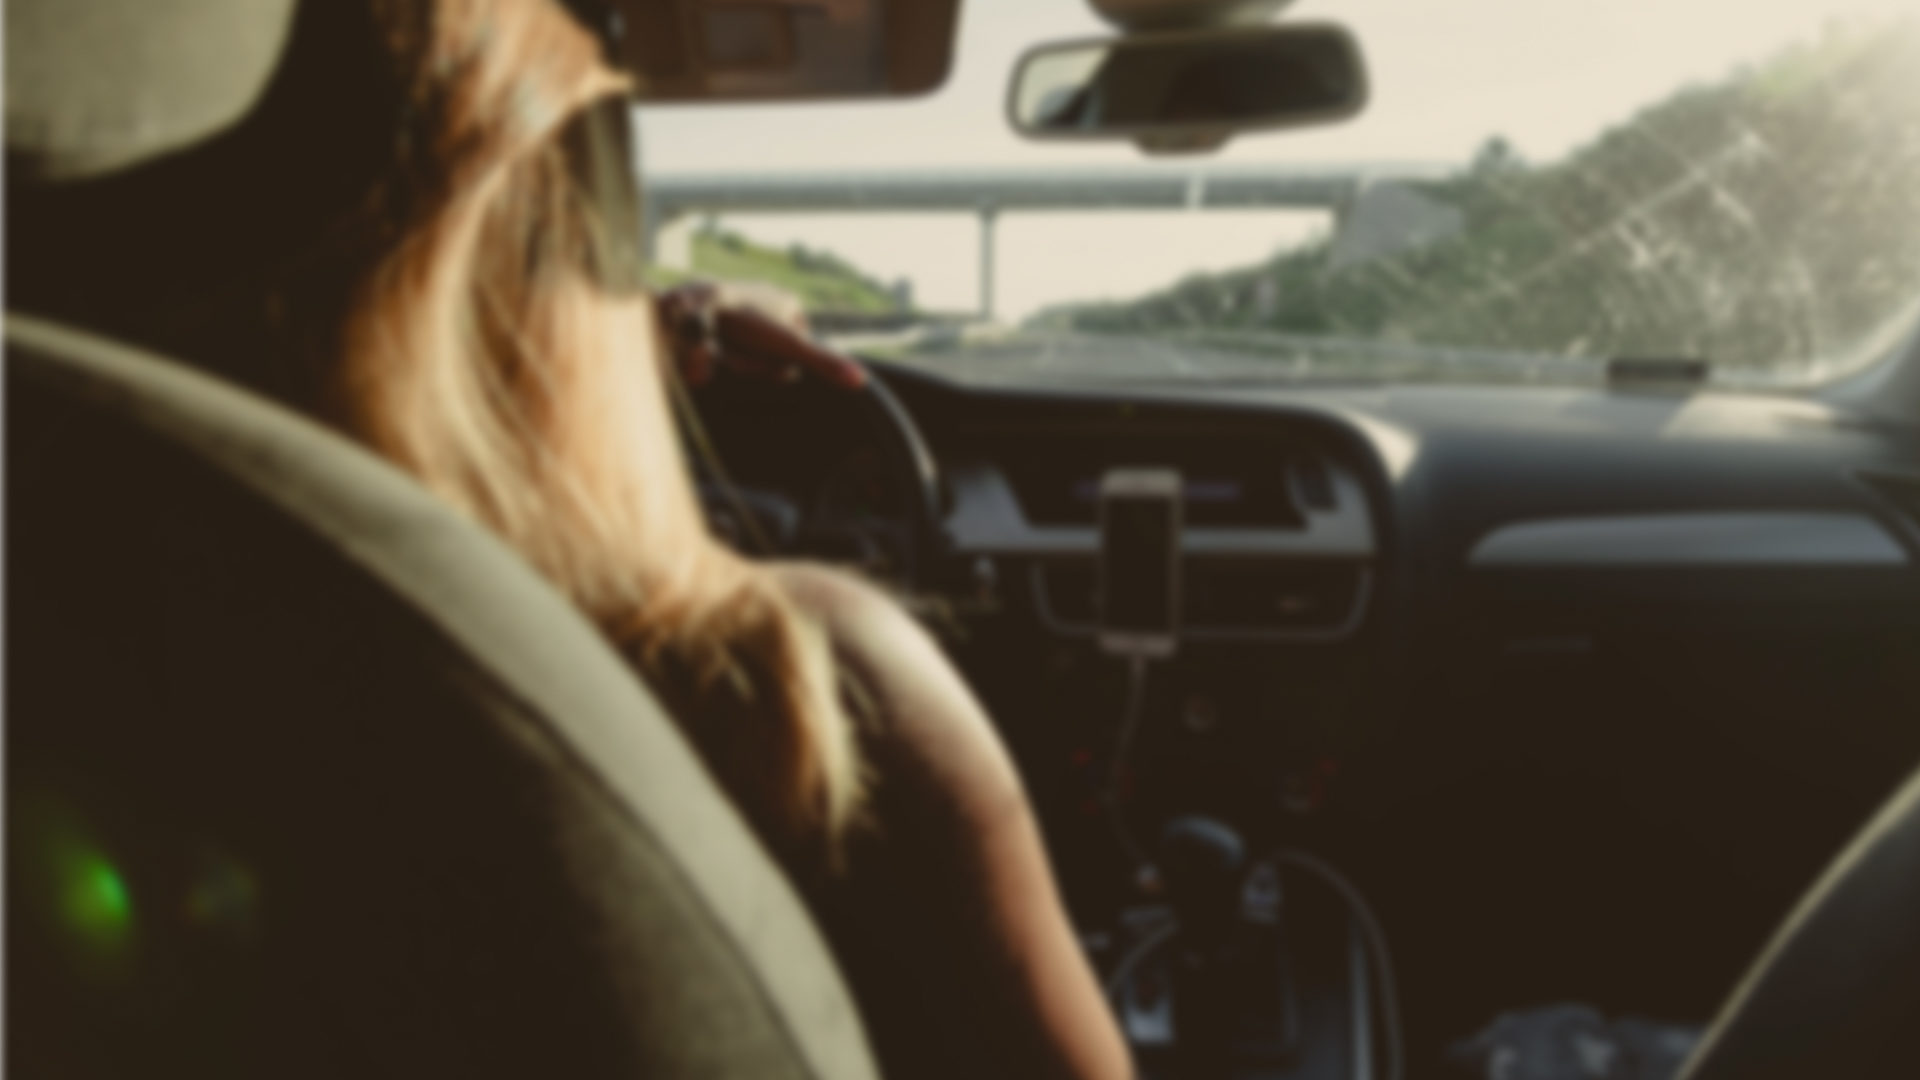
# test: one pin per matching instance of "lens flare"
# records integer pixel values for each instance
(94, 902)
(78, 892)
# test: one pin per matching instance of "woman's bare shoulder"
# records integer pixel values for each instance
(840, 600)
(956, 823)
(868, 628)
(927, 719)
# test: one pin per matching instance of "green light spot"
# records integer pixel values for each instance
(82, 901)
(94, 901)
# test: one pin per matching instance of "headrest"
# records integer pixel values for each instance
(94, 86)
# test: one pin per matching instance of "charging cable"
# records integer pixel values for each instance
(1130, 717)
(1376, 942)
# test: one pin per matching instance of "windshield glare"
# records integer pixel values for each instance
(1536, 185)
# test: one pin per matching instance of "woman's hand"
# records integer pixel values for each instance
(753, 329)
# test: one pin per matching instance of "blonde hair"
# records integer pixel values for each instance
(481, 353)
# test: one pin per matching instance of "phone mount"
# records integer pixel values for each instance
(1141, 512)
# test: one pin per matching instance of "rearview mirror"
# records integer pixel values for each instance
(1188, 90)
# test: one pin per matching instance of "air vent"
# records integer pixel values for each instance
(1223, 597)
(1230, 483)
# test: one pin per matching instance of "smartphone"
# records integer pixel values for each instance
(1140, 518)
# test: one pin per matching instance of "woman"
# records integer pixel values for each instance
(445, 274)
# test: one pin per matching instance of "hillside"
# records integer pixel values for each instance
(824, 282)
(1761, 221)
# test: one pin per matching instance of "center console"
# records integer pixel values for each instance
(1255, 967)
(1220, 576)
(1169, 613)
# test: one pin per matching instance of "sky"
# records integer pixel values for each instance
(1547, 75)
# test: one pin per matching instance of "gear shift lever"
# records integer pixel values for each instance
(1202, 862)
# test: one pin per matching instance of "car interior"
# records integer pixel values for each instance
(1358, 713)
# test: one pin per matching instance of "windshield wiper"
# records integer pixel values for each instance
(1664, 372)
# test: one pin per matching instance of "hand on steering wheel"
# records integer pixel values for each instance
(752, 329)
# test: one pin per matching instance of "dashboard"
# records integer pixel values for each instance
(1521, 659)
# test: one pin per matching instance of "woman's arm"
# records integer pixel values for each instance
(948, 920)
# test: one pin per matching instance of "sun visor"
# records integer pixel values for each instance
(770, 50)
(94, 86)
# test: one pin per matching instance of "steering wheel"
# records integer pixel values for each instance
(919, 474)
(764, 436)
(747, 353)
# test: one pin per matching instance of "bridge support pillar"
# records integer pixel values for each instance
(989, 216)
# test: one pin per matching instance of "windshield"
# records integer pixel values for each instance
(1537, 185)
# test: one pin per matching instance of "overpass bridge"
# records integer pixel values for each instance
(1345, 191)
